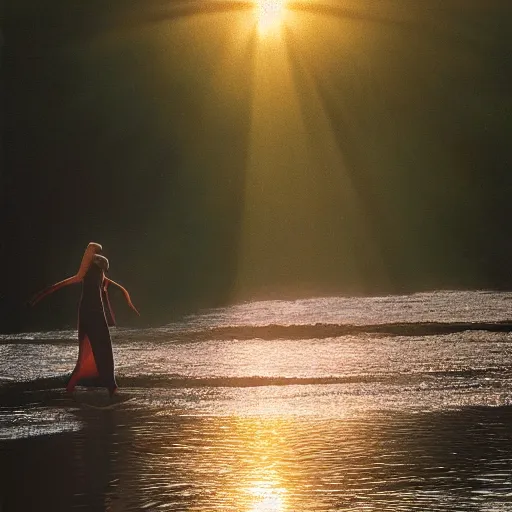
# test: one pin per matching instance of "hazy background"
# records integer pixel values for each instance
(366, 149)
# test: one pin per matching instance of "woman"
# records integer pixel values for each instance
(95, 357)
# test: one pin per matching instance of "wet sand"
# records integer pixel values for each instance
(147, 459)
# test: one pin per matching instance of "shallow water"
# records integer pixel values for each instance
(366, 421)
(128, 459)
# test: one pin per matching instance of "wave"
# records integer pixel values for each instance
(271, 332)
(321, 330)
(9, 388)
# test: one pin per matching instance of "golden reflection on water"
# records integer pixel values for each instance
(263, 480)
(132, 461)
(242, 464)
(267, 497)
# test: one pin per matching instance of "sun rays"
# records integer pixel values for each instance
(296, 184)
(272, 88)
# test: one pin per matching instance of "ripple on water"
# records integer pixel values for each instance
(380, 461)
(36, 421)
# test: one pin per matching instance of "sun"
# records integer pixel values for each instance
(270, 15)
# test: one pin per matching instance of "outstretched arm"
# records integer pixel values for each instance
(50, 289)
(125, 293)
(92, 249)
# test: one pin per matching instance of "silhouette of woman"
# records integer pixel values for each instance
(95, 315)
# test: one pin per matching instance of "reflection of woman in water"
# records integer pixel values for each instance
(95, 358)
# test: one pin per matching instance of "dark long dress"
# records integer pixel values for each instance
(95, 357)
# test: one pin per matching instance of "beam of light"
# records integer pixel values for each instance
(299, 227)
(301, 215)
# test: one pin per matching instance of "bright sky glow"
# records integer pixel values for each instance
(270, 15)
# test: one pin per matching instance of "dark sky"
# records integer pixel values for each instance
(366, 149)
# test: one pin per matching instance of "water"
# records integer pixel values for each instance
(258, 407)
